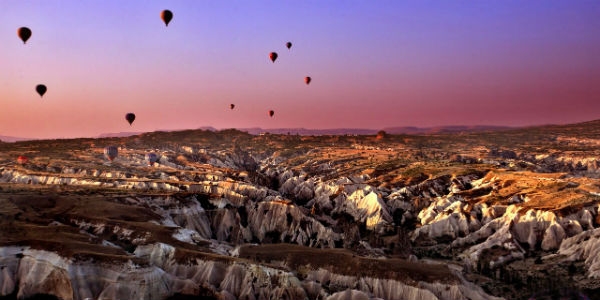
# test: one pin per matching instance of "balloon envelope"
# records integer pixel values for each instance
(111, 152)
(151, 158)
(166, 15)
(307, 79)
(41, 89)
(22, 159)
(288, 45)
(271, 113)
(24, 33)
(130, 117)
(273, 56)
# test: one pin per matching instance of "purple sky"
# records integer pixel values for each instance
(373, 64)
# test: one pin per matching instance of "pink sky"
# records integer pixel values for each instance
(420, 63)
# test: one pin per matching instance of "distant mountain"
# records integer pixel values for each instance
(206, 128)
(209, 128)
(590, 128)
(304, 131)
(390, 130)
(126, 134)
(118, 134)
(444, 129)
(12, 139)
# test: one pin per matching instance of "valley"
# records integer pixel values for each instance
(501, 214)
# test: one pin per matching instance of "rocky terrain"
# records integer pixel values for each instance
(505, 214)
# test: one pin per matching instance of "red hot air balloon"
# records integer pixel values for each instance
(130, 117)
(307, 79)
(24, 33)
(111, 152)
(41, 89)
(271, 113)
(22, 159)
(232, 106)
(288, 45)
(166, 15)
(273, 56)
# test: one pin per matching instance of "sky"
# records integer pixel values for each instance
(373, 64)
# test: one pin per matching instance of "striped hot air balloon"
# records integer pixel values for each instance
(151, 158)
(111, 152)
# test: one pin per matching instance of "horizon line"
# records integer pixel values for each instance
(131, 133)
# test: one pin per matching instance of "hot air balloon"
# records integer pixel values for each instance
(130, 117)
(24, 33)
(288, 45)
(41, 89)
(271, 113)
(166, 15)
(22, 159)
(307, 79)
(111, 152)
(273, 56)
(232, 106)
(151, 158)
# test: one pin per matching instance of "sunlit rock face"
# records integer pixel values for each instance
(107, 180)
(364, 204)
(446, 218)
